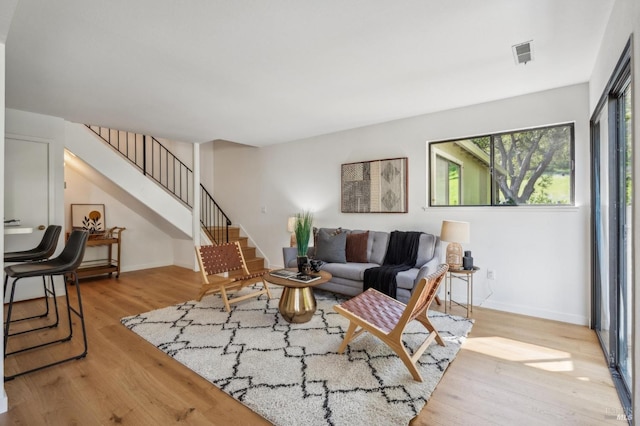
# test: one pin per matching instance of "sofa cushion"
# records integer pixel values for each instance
(377, 246)
(356, 248)
(342, 286)
(330, 231)
(331, 248)
(426, 249)
(351, 270)
(406, 279)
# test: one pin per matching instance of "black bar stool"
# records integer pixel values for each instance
(66, 264)
(43, 251)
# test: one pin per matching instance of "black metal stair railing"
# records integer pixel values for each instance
(215, 222)
(153, 159)
(157, 162)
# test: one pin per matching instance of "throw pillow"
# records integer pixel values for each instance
(331, 248)
(356, 247)
(330, 231)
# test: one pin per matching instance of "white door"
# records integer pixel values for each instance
(26, 198)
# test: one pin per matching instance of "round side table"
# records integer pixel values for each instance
(297, 303)
(465, 275)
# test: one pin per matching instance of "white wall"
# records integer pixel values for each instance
(540, 255)
(47, 128)
(83, 143)
(143, 244)
(182, 150)
(206, 165)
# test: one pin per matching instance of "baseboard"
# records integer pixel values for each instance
(536, 312)
(191, 266)
(529, 311)
(130, 268)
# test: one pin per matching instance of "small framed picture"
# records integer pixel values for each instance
(89, 217)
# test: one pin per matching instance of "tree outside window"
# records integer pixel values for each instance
(525, 167)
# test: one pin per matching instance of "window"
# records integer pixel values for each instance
(525, 167)
(449, 181)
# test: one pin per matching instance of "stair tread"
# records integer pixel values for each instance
(260, 270)
(254, 263)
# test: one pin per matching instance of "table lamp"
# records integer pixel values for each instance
(291, 228)
(454, 233)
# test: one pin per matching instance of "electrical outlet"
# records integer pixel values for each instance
(491, 274)
(263, 209)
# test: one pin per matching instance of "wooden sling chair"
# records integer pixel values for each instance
(227, 258)
(386, 318)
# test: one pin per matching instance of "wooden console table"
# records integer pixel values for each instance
(109, 265)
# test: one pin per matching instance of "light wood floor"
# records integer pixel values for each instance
(511, 370)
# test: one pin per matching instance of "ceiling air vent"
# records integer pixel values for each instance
(523, 52)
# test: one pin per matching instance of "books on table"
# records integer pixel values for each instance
(304, 278)
(283, 273)
(294, 276)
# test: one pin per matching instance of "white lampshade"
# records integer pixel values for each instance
(455, 232)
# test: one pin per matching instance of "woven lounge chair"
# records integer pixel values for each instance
(225, 258)
(386, 318)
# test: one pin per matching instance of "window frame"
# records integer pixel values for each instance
(450, 159)
(611, 285)
(493, 184)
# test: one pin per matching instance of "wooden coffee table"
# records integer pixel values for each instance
(297, 303)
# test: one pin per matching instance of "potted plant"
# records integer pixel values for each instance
(302, 230)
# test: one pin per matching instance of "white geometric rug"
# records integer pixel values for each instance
(291, 374)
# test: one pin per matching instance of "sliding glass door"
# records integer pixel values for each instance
(611, 190)
(625, 231)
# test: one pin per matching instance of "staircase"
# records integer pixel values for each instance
(254, 263)
(163, 168)
(159, 164)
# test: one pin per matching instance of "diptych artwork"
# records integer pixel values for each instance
(378, 186)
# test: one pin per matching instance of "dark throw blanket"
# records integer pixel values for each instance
(402, 254)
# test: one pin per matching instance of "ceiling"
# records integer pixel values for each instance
(264, 72)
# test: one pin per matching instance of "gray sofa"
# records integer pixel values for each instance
(347, 278)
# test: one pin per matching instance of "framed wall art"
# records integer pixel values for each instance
(88, 216)
(378, 186)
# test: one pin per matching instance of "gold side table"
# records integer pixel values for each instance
(465, 275)
(297, 303)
